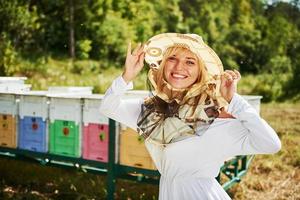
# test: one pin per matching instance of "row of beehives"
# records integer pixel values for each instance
(65, 121)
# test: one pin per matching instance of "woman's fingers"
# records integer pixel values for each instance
(141, 49)
(141, 59)
(229, 80)
(232, 75)
(129, 49)
(227, 76)
(136, 51)
(135, 57)
(134, 62)
(238, 74)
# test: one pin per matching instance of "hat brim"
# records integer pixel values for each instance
(157, 45)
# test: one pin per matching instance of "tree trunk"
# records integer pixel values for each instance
(71, 29)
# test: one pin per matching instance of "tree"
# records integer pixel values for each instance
(16, 33)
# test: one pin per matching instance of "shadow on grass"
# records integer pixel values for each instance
(22, 180)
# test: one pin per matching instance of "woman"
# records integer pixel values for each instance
(194, 121)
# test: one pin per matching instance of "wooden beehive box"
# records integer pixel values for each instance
(133, 151)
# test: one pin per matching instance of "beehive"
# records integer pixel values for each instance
(95, 130)
(65, 115)
(8, 136)
(33, 113)
(133, 151)
(13, 84)
(8, 111)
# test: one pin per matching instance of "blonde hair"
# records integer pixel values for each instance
(202, 77)
(202, 92)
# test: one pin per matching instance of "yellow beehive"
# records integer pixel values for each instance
(8, 131)
(133, 151)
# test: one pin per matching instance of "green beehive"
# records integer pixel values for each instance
(65, 138)
(65, 115)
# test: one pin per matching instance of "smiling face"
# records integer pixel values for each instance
(181, 68)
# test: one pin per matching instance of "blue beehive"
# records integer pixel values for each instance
(33, 131)
(33, 134)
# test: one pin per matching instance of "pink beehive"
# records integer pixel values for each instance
(95, 142)
(95, 130)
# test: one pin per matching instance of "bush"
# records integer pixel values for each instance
(8, 55)
(83, 47)
(85, 67)
(279, 65)
(270, 86)
(111, 38)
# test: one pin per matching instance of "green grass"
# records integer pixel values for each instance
(56, 72)
(47, 71)
(22, 180)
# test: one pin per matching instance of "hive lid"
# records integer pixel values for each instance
(14, 88)
(10, 79)
(34, 93)
(65, 95)
(70, 89)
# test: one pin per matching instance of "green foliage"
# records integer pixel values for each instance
(251, 36)
(8, 57)
(18, 21)
(83, 48)
(270, 86)
(85, 67)
(113, 35)
(279, 65)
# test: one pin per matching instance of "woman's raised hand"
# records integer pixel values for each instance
(134, 62)
(229, 80)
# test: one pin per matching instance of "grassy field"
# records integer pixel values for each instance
(57, 72)
(49, 71)
(269, 177)
(276, 176)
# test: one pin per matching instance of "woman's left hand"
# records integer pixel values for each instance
(229, 80)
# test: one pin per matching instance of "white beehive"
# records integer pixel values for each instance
(65, 107)
(14, 87)
(33, 103)
(8, 80)
(91, 113)
(8, 104)
(70, 90)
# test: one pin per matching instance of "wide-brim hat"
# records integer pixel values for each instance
(157, 45)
